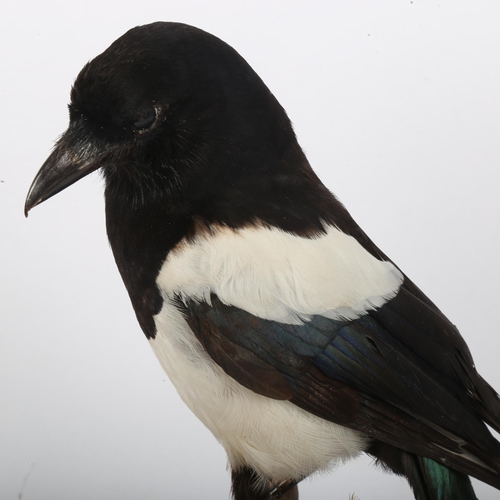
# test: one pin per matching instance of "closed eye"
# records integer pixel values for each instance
(147, 120)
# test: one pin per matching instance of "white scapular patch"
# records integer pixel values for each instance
(276, 438)
(279, 276)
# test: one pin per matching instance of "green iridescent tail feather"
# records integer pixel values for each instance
(439, 482)
(428, 479)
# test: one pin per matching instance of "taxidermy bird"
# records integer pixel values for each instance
(286, 331)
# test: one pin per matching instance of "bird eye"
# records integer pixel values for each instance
(146, 120)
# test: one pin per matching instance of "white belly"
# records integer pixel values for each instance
(276, 438)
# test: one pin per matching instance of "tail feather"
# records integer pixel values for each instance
(445, 483)
(428, 479)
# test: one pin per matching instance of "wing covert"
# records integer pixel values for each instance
(396, 373)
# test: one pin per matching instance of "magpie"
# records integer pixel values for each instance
(286, 331)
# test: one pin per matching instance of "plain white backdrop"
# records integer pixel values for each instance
(396, 104)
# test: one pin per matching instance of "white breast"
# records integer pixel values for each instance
(276, 438)
(276, 276)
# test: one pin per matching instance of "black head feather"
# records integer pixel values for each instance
(186, 135)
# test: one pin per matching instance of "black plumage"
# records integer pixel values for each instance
(189, 139)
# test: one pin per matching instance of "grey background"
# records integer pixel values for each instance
(397, 106)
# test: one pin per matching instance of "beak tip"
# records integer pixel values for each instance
(28, 204)
(68, 163)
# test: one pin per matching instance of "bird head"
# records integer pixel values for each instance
(165, 106)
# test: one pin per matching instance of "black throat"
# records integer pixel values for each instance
(147, 217)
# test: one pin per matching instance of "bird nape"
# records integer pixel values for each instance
(289, 334)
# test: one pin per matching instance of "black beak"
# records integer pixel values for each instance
(71, 160)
